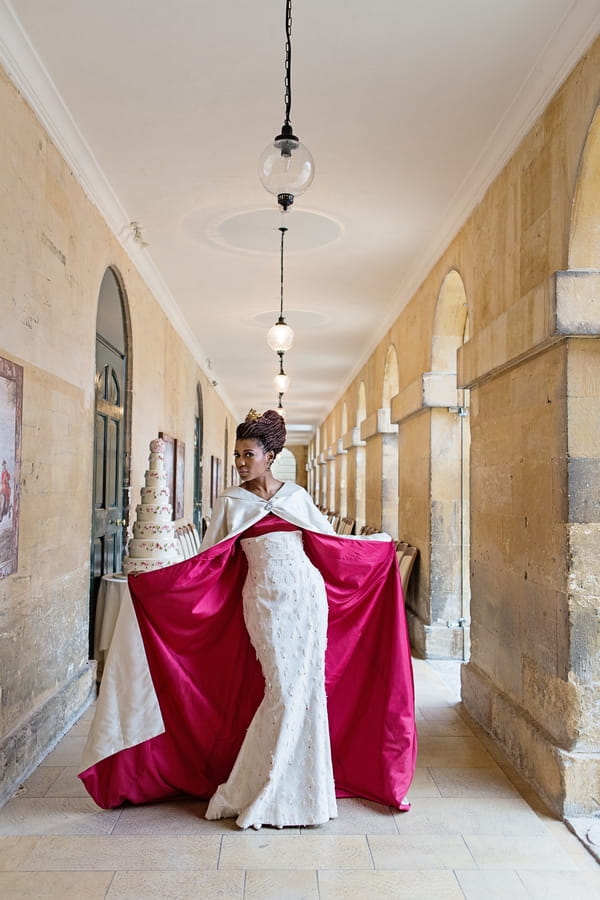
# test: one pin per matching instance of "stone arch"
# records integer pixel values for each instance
(342, 464)
(584, 242)
(112, 433)
(450, 323)
(360, 489)
(450, 441)
(389, 444)
(284, 466)
(391, 377)
(330, 465)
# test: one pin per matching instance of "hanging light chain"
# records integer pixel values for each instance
(281, 319)
(288, 61)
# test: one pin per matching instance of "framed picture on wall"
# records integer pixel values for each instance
(11, 416)
(179, 477)
(169, 467)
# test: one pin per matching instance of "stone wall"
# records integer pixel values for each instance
(526, 378)
(55, 249)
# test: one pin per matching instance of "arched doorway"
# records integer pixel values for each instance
(389, 446)
(111, 435)
(284, 467)
(360, 462)
(342, 465)
(450, 442)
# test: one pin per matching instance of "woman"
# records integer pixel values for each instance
(186, 708)
(283, 774)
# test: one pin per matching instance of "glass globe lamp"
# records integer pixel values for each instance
(280, 336)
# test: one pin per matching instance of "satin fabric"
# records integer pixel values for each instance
(208, 683)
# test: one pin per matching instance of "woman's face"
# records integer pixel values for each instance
(251, 460)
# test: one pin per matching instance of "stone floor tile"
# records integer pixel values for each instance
(561, 885)
(68, 751)
(56, 815)
(82, 725)
(423, 785)
(67, 784)
(502, 852)
(444, 720)
(572, 844)
(387, 885)
(305, 851)
(39, 782)
(113, 852)
(284, 884)
(470, 816)
(419, 851)
(190, 885)
(428, 695)
(427, 728)
(180, 817)
(358, 816)
(490, 782)
(587, 829)
(492, 885)
(13, 850)
(448, 751)
(54, 885)
(172, 817)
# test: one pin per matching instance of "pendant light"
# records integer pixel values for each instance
(280, 336)
(286, 167)
(280, 408)
(281, 380)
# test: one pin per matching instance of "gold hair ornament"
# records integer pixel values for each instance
(252, 416)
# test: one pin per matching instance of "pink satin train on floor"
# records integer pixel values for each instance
(209, 684)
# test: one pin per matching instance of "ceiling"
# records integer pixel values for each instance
(410, 109)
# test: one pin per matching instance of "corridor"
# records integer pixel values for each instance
(474, 832)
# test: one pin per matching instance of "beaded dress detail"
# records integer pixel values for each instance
(283, 772)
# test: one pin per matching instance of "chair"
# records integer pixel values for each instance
(407, 557)
(346, 526)
(188, 539)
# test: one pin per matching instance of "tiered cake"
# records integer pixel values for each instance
(154, 544)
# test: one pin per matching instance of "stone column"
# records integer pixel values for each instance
(432, 434)
(381, 438)
(355, 447)
(533, 680)
(341, 476)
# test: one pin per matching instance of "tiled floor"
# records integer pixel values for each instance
(474, 832)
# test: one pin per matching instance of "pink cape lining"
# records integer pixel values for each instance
(209, 683)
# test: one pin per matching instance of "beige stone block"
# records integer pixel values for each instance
(439, 389)
(305, 851)
(408, 401)
(424, 885)
(420, 851)
(66, 885)
(504, 852)
(143, 853)
(274, 885)
(578, 302)
(584, 426)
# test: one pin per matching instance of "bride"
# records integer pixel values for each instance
(283, 773)
(270, 673)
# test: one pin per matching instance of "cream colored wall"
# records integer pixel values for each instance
(533, 674)
(55, 249)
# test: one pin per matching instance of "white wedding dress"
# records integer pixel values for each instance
(283, 773)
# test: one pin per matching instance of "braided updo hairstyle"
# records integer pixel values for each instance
(268, 429)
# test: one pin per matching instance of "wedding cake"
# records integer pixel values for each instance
(154, 544)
